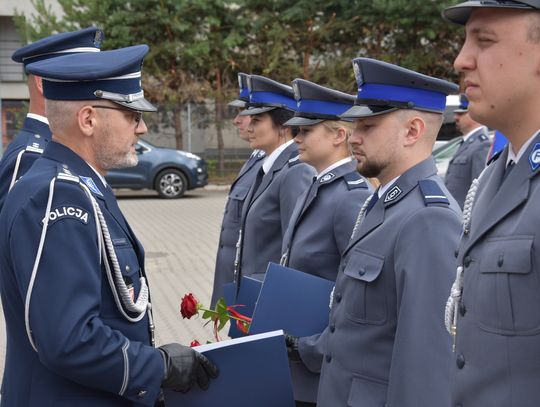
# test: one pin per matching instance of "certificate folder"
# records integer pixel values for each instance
(247, 297)
(292, 300)
(253, 372)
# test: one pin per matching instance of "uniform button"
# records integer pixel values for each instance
(460, 361)
(456, 253)
(328, 358)
(128, 269)
(462, 309)
(467, 261)
(221, 246)
(222, 229)
(338, 297)
(226, 211)
(332, 328)
(362, 271)
(141, 393)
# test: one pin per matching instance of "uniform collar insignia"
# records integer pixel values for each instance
(393, 194)
(91, 185)
(534, 157)
(261, 154)
(327, 177)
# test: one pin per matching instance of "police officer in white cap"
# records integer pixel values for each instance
(30, 141)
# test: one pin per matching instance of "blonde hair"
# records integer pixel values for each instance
(335, 125)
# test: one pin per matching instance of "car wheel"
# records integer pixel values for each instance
(170, 184)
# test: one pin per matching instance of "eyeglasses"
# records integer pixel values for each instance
(136, 114)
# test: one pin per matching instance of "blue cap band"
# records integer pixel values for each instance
(421, 98)
(271, 99)
(326, 108)
(244, 94)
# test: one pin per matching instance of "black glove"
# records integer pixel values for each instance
(184, 367)
(292, 347)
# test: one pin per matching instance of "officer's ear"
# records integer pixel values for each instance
(415, 128)
(87, 120)
(39, 83)
(340, 136)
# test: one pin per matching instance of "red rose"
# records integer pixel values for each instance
(188, 306)
(194, 342)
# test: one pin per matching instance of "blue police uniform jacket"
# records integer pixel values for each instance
(34, 133)
(224, 271)
(318, 233)
(267, 211)
(467, 164)
(386, 343)
(497, 346)
(88, 354)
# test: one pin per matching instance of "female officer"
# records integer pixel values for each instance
(282, 178)
(324, 216)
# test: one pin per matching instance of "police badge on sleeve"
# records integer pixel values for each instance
(68, 212)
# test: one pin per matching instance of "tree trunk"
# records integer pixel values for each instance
(219, 125)
(178, 135)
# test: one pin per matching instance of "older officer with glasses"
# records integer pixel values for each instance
(73, 284)
(385, 342)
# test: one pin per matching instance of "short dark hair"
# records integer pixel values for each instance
(280, 116)
(533, 29)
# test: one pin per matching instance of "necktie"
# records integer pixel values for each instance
(258, 180)
(508, 169)
(373, 201)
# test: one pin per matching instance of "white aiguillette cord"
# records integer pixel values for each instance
(106, 248)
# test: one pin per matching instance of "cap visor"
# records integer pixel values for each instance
(302, 121)
(237, 103)
(142, 105)
(252, 111)
(360, 111)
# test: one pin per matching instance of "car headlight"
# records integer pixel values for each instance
(189, 155)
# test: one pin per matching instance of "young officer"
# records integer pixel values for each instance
(280, 181)
(224, 271)
(324, 216)
(385, 343)
(29, 143)
(73, 285)
(493, 311)
(471, 157)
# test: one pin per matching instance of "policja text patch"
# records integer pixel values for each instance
(68, 212)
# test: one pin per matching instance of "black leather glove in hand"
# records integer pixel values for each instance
(184, 367)
(292, 347)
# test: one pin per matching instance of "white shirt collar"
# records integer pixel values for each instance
(469, 134)
(99, 175)
(271, 159)
(38, 117)
(516, 157)
(335, 165)
(385, 187)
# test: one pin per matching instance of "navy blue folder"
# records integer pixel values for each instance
(292, 300)
(247, 297)
(253, 372)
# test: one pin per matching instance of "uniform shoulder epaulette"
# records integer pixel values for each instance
(494, 158)
(432, 193)
(35, 144)
(294, 159)
(64, 174)
(355, 180)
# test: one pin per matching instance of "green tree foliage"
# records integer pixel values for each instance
(198, 46)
